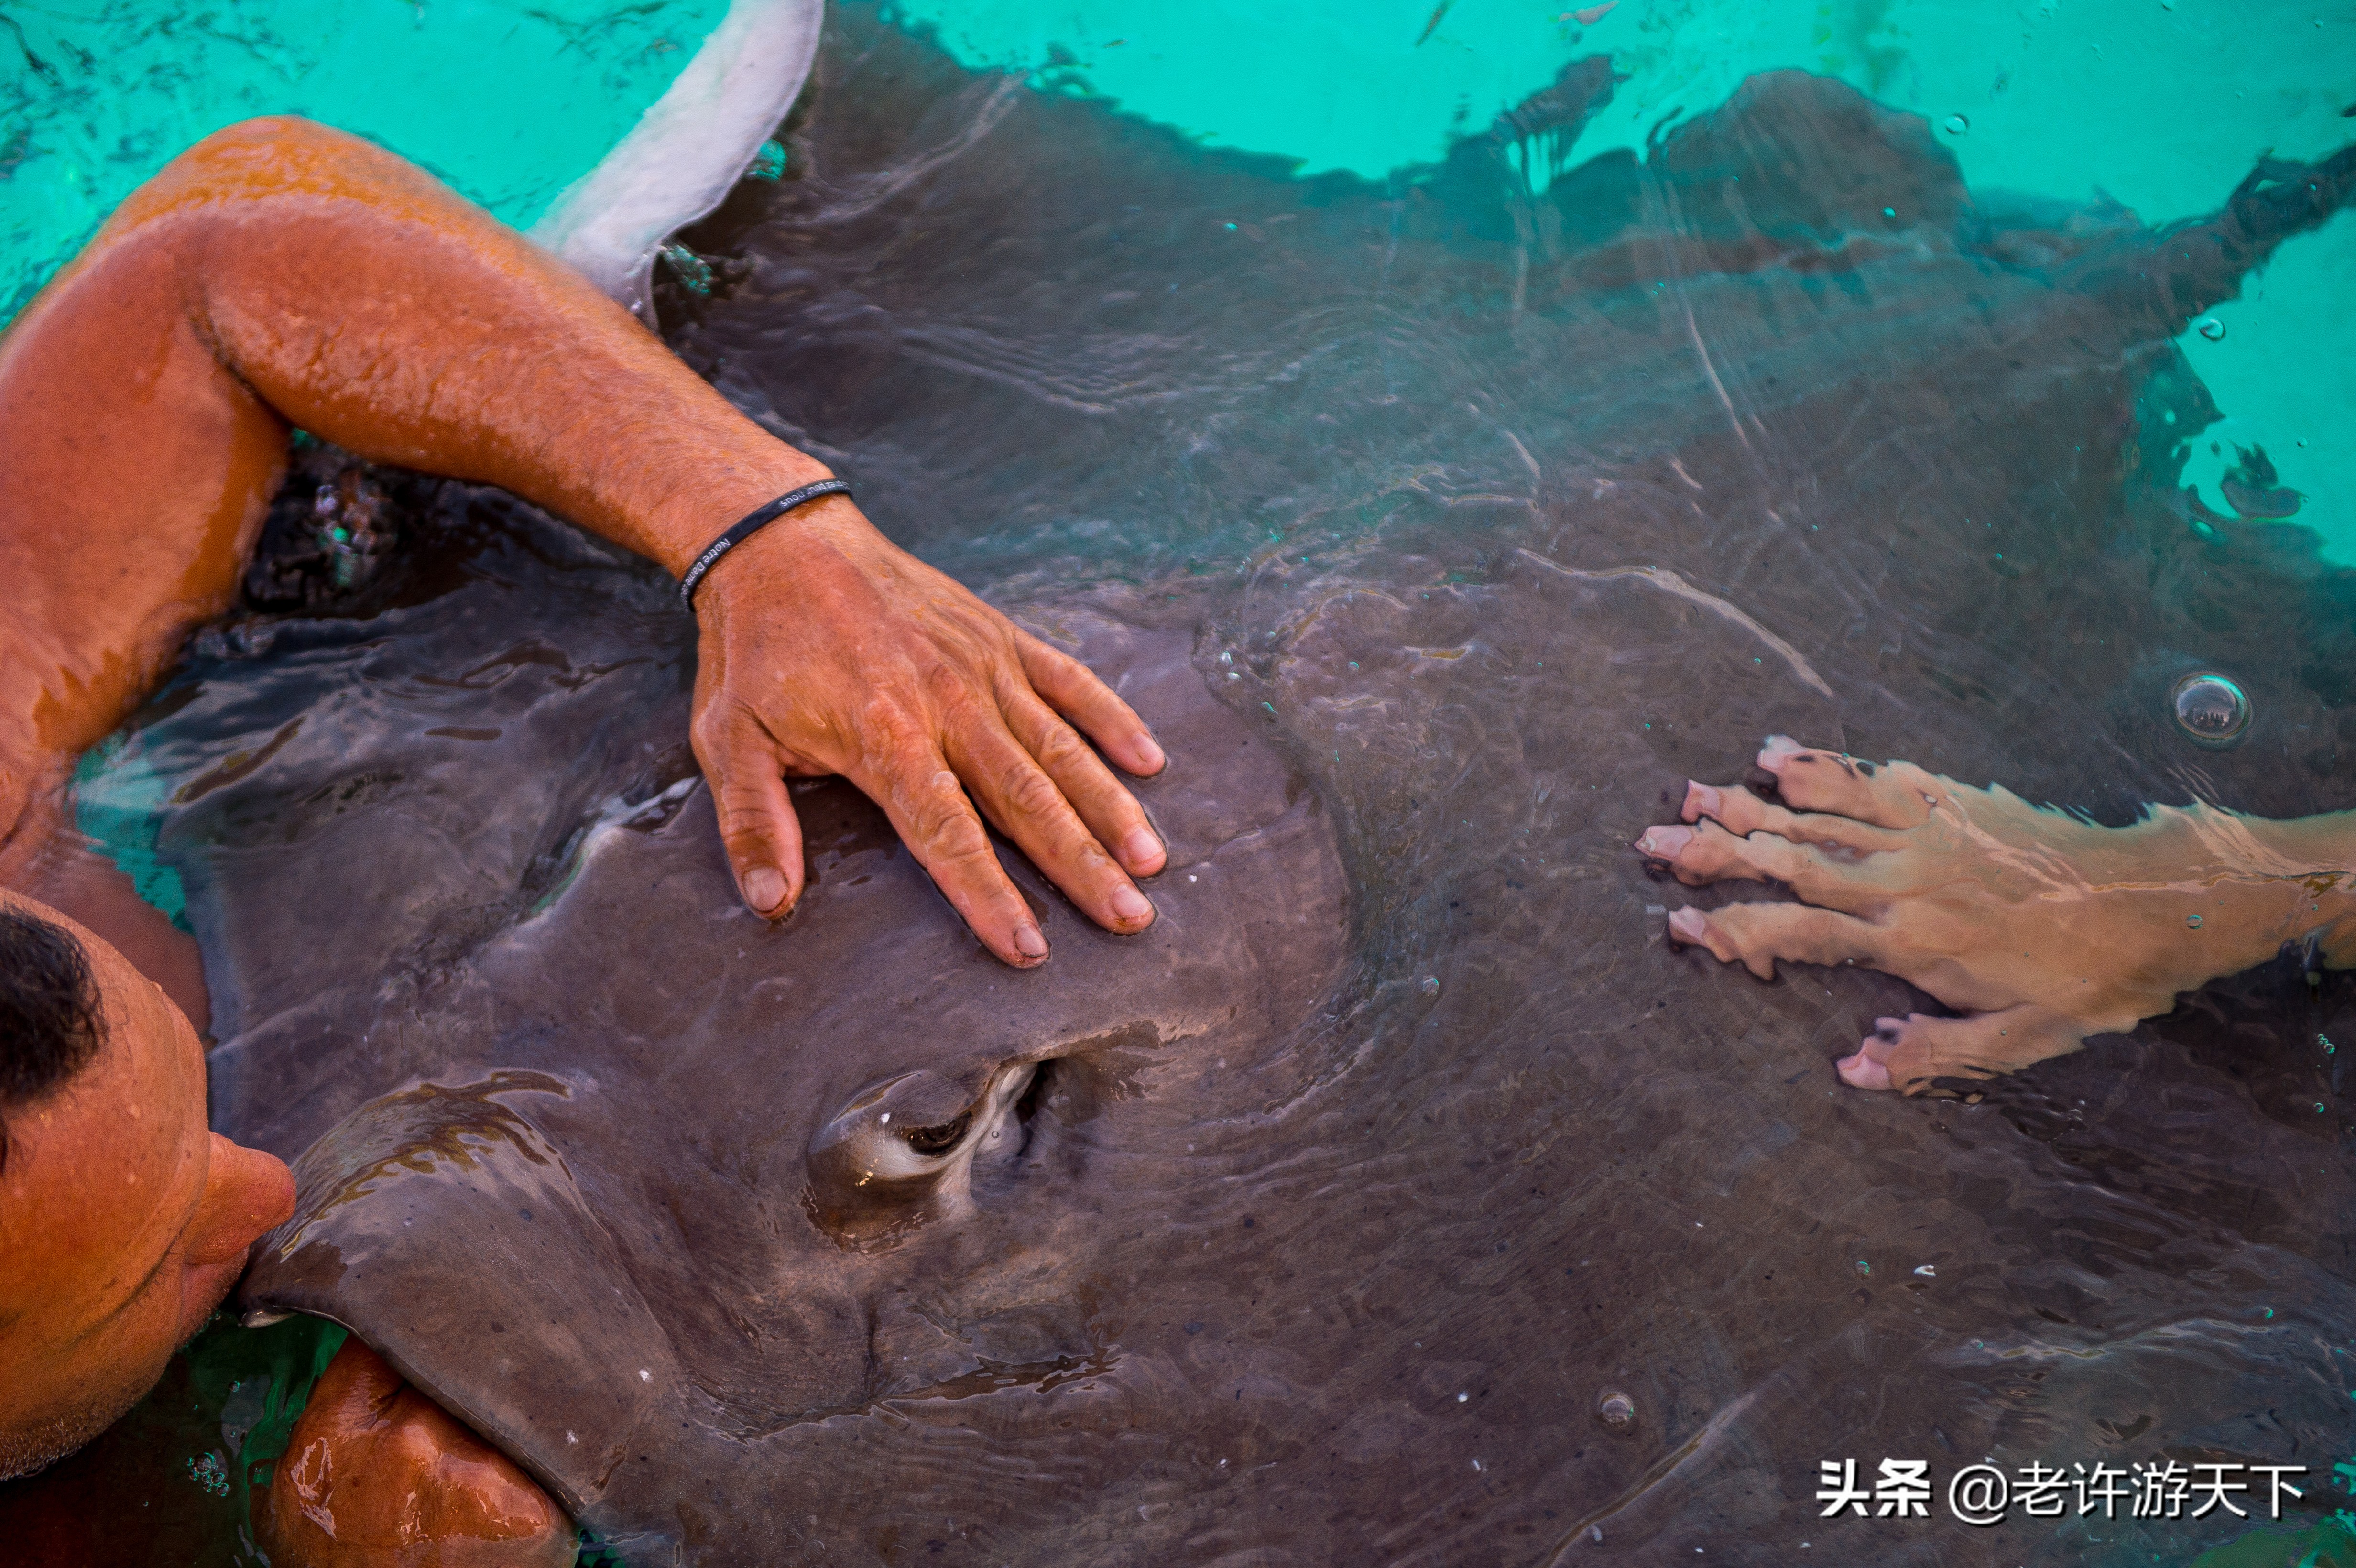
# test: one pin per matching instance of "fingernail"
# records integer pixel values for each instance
(1664, 843)
(1029, 942)
(1862, 1071)
(765, 888)
(1701, 800)
(1150, 751)
(1687, 925)
(1778, 750)
(1140, 848)
(1129, 904)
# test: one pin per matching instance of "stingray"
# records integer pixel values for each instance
(1402, 1196)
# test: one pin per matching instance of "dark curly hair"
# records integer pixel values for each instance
(50, 1025)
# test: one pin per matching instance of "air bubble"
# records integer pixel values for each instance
(1616, 1411)
(2210, 327)
(2193, 921)
(1956, 126)
(2210, 708)
(1430, 986)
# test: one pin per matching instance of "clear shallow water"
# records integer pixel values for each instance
(1324, 440)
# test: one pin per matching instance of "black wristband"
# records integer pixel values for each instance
(752, 524)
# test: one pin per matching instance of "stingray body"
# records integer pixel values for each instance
(546, 1063)
(1443, 528)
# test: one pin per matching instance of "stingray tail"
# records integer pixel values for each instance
(688, 149)
(2193, 266)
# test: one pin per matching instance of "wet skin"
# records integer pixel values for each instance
(377, 1473)
(279, 275)
(123, 1219)
(126, 1221)
(2040, 928)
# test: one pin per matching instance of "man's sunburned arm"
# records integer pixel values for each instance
(2039, 927)
(281, 274)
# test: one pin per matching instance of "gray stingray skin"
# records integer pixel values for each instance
(729, 1289)
(1444, 529)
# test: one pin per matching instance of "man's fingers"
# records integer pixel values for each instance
(1074, 691)
(929, 809)
(1707, 853)
(1757, 934)
(757, 825)
(1889, 794)
(1030, 807)
(1906, 1053)
(1739, 811)
(1111, 812)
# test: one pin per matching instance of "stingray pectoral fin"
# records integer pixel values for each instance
(1907, 1053)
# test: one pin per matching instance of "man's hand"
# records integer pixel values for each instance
(2041, 928)
(279, 273)
(827, 649)
(378, 1475)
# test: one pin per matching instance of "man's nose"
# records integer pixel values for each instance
(246, 1193)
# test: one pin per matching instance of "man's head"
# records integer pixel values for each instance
(123, 1221)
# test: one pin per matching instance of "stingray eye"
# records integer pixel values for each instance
(935, 1141)
(896, 1155)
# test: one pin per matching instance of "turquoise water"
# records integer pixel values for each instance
(507, 101)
